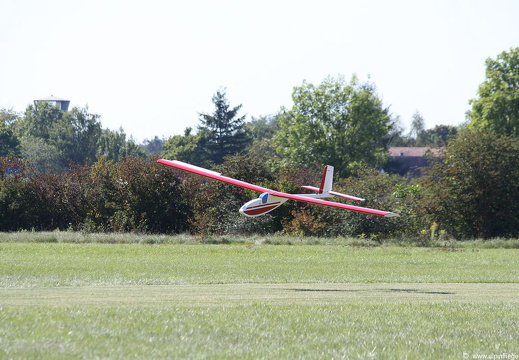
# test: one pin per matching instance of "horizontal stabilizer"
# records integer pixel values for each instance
(313, 188)
(334, 193)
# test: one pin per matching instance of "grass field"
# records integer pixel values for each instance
(61, 299)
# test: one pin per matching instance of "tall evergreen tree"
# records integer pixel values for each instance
(223, 131)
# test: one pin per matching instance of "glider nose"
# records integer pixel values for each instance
(261, 205)
(243, 209)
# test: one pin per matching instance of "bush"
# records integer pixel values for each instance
(132, 195)
(378, 191)
(473, 190)
(150, 198)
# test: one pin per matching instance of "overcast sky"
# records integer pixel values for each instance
(151, 66)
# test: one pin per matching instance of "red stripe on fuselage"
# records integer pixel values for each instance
(259, 211)
(262, 205)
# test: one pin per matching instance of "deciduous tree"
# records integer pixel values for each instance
(113, 145)
(66, 136)
(9, 142)
(187, 148)
(153, 146)
(338, 123)
(497, 105)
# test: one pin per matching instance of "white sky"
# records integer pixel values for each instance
(151, 66)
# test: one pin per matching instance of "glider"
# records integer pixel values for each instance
(271, 199)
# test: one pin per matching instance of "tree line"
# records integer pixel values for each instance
(62, 170)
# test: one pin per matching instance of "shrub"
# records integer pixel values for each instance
(150, 198)
(378, 190)
(473, 191)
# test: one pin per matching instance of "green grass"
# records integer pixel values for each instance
(252, 300)
(133, 238)
(64, 264)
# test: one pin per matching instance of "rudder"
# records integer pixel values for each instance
(326, 180)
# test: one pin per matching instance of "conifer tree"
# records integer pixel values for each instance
(223, 132)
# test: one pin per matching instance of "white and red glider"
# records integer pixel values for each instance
(271, 199)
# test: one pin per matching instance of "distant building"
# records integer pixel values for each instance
(56, 101)
(409, 160)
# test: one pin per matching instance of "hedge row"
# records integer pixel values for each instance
(140, 195)
(472, 192)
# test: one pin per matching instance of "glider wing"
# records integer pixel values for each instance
(211, 174)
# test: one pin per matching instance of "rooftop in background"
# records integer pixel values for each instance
(409, 160)
(412, 151)
(61, 103)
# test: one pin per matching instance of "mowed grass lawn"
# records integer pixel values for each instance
(62, 300)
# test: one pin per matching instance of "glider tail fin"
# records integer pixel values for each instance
(326, 180)
(325, 188)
